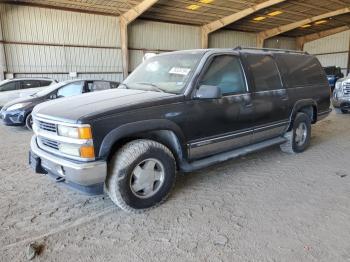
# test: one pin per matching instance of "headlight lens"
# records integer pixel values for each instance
(17, 106)
(75, 132)
(338, 85)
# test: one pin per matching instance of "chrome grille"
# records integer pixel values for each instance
(49, 143)
(50, 127)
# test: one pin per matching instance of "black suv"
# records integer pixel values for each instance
(179, 111)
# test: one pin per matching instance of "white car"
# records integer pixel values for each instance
(20, 87)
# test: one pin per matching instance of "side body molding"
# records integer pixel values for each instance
(160, 126)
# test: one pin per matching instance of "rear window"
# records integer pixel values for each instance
(300, 70)
(264, 72)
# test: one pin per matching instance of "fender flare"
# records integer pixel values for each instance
(300, 104)
(130, 129)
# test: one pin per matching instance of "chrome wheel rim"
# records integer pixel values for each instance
(147, 178)
(301, 134)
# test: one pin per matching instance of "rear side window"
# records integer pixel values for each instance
(45, 82)
(300, 70)
(25, 84)
(225, 71)
(99, 86)
(264, 72)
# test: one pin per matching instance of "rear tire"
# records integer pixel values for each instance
(298, 139)
(29, 122)
(141, 175)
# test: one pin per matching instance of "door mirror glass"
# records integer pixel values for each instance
(208, 92)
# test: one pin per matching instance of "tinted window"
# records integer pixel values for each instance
(30, 84)
(45, 82)
(264, 72)
(71, 89)
(9, 86)
(300, 70)
(100, 85)
(225, 72)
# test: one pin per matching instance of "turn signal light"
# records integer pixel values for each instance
(87, 152)
(85, 133)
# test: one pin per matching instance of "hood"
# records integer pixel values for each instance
(26, 99)
(83, 108)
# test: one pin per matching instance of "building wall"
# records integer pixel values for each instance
(52, 43)
(332, 50)
(281, 43)
(48, 42)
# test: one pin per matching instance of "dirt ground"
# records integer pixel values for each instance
(267, 206)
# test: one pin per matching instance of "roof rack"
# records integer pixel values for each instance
(271, 49)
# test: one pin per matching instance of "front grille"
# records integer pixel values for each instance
(346, 88)
(47, 126)
(50, 143)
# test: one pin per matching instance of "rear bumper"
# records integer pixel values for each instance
(88, 177)
(323, 115)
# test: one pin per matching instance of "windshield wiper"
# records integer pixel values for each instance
(154, 86)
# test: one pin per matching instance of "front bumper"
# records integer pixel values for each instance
(84, 176)
(13, 118)
(341, 102)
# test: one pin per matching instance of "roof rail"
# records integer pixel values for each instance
(271, 49)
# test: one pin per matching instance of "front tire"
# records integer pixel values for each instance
(29, 122)
(141, 175)
(298, 139)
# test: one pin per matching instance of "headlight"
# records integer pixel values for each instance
(75, 132)
(17, 106)
(83, 151)
(338, 85)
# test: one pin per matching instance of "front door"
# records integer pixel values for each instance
(218, 125)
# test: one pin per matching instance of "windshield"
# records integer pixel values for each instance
(164, 73)
(51, 88)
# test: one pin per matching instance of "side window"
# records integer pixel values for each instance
(100, 85)
(9, 86)
(264, 72)
(25, 84)
(225, 71)
(45, 83)
(71, 89)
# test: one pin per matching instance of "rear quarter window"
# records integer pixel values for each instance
(300, 70)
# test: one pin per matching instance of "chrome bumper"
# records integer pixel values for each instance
(84, 174)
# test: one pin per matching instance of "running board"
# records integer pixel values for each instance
(202, 163)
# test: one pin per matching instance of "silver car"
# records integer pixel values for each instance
(341, 95)
(20, 87)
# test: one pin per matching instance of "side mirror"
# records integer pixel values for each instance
(341, 75)
(53, 96)
(208, 92)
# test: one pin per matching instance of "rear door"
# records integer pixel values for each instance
(270, 98)
(9, 91)
(29, 87)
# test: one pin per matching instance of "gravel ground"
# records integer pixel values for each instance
(267, 206)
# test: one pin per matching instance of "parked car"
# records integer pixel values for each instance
(179, 111)
(333, 74)
(341, 95)
(15, 88)
(18, 112)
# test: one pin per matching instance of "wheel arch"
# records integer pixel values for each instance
(307, 106)
(163, 131)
